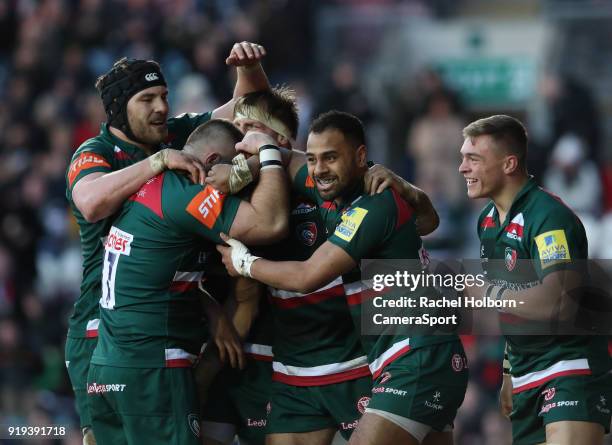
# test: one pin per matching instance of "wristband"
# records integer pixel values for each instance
(506, 365)
(240, 174)
(270, 157)
(158, 161)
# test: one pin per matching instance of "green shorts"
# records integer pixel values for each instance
(77, 354)
(586, 398)
(426, 385)
(300, 409)
(239, 399)
(149, 406)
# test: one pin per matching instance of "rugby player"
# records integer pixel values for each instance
(321, 379)
(535, 248)
(359, 225)
(108, 168)
(320, 371)
(140, 383)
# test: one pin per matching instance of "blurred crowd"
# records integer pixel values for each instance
(51, 51)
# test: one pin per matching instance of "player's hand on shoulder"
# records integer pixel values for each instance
(218, 177)
(377, 179)
(179, 160)
(245, 53)
(252, 141)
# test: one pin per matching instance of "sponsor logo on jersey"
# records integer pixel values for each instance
(307, 233)
(95, 388)
(549, 393)
(434, 403)
(85, 161)
(514, 230)
(194, 424)
(362, 404)
(384, 377)
(302, 208)
(206, 206)
(349, 425)
(150, 77)
(458, 363)
(559, 404)
(255, 423)
(601, 406)
(552, 247)
(510, 257)
(351, 220)
(119, 241)
(488, 220)
(386, 390)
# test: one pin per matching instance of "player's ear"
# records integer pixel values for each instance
(511, 164)
(282, 140)
(212, 159)
(362, 156)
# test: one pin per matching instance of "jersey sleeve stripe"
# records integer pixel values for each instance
(404, 210)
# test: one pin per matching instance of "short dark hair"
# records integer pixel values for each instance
(279, 102)
(214, 130)
(508, 132)
(349, 125)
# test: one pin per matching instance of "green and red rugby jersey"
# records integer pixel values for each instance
(315, 342)
(154, 256)
(540, 235)
(381, 226)
(106, 153)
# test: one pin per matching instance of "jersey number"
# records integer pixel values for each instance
(109, 271)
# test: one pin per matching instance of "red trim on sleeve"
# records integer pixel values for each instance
(150, 195)
(404, 210)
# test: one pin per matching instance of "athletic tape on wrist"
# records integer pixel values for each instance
(270, 157)
(158, 162)
(240, 174)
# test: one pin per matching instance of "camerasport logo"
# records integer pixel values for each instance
(362, 404)
(96, 388)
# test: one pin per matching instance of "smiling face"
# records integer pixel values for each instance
(147, 113)
(482, 166)
(333, 163)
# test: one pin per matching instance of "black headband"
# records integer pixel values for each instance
(121, 83)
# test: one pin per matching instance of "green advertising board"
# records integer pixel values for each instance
(490, 82)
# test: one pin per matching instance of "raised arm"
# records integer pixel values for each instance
(98, 195)
(265, 218)
(250, 76)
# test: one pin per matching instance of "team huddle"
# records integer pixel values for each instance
(184, 335)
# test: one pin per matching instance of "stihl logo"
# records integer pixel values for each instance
(208, 203)
(206, 206)
(151, 77)
(83, 162)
